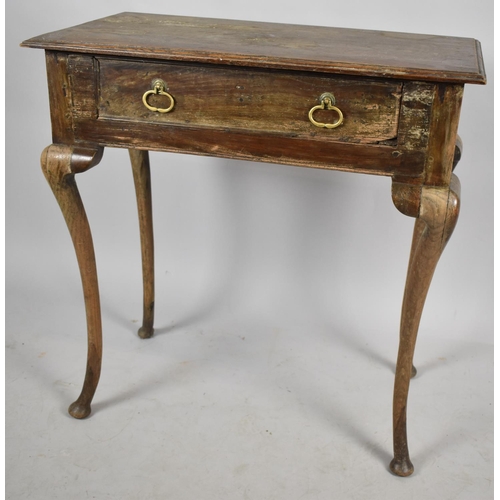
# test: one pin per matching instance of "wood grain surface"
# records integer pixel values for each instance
(248, 43)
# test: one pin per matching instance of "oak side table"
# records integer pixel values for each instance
(370, 102)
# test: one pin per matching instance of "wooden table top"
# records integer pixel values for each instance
(271, 45)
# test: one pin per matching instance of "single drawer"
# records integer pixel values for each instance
(250, 99)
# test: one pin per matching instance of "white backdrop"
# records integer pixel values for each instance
(241, 241)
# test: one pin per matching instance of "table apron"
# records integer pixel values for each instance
(271, 148)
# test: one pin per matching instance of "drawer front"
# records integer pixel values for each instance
(249, 99)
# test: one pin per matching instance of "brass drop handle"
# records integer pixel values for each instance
(159, 87)
(327, 102)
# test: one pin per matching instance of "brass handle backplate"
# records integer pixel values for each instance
(159, 88)
(327, 102)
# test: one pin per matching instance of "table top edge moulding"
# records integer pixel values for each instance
(383, 54)
(364, 101)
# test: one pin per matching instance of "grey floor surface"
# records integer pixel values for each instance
(243, 409)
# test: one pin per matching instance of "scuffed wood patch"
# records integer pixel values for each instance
(83, 75)
(414, 123)
(416, 104)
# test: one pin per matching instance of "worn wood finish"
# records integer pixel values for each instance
(142, 182)
(438, 214)
(60, 163)
(243, 90)
(253, 100)
(248, 43)
(413, 134)
(262, 131)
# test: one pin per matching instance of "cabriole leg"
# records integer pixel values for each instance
(142, 181)
(60, 163)
(436, 219)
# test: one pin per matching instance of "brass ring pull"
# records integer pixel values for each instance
(327, 102)
(159, 87)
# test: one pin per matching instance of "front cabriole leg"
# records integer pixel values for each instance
(437, 214)
(60, 163)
